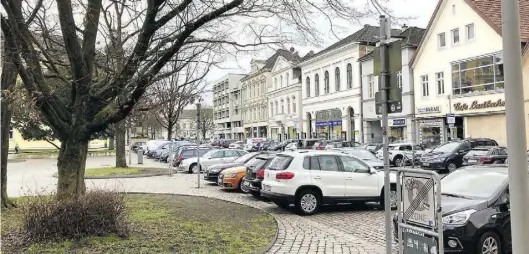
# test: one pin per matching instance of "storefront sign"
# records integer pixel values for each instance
(397, 122)
(476, 105)
(438, 122)
(427, 110)
(331, 123)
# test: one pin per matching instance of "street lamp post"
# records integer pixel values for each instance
(198, 142)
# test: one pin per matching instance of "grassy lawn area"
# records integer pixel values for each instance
(55, 151)
(112, 171)
(165, 224)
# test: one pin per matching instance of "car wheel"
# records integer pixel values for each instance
(397, 161)
(451, 167)
(193, 168)
(392, 198)
(489, 243)
(307, 202)
(244, 189)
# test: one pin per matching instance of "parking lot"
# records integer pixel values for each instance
(337, 229)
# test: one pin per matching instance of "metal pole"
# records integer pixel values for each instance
(198, 144)
(129, 131)
(384, 57)
(516, 136)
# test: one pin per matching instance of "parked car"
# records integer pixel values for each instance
(341, 144)
(476, 214)
(307, 143)
(362, 154)
(212, 157)
(139, 144)
(449, 156)
(266, 144)
(485, 155)
(152, 153)
(234, 177)
(152, 145)
(237, 145)
(320, 145)
(281, 145)
(309, 179)
(186, 152)
(373, 148)
(255, 173)
(212, 172)
(401, 154)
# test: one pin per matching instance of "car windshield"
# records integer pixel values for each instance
(256, 163)
(479, 152)
(280, 163)
(362, 154)
(244, 158)
(473, 184)
(447, 148)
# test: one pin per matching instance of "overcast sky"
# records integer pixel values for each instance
(419, 10)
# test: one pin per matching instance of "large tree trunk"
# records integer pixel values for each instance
(111, 143)
(170, 127)
(6, 123)
(121, 161)
(71, 165)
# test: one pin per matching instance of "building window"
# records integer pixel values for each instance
(441, 40)
(371, 86)
(399, 80)
(307, 86)
(478, 75)
(337, 79)
(277, 108)
(455, 36)
(326, 82)
(280, 81)
(469, 31)
(288, 105)
(271, 109)
(439, 79)
(425, 88)
(317, 84)
(184, 126)
(288, 79)
(349, 76)
(282, 106)
(294, 104)
(275, 83)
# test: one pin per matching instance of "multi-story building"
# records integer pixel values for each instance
(284, 97)
(227, 99)
(331, 90)
(458, 70)
(401, 125)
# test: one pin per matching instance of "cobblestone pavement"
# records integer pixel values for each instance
(336, 229)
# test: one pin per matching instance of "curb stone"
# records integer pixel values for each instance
(125, 176)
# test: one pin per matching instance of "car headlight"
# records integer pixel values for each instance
(216, 169)
(439, 159)
(459, 218)
(230, 175)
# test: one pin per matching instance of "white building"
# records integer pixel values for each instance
(284, 97)
(331, 90)
(458, 69)
(227, 113)
(254, 101)
(401, 125)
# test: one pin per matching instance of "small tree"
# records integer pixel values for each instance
(206, 121)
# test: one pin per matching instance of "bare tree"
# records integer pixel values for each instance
(206, 121)
(100, 94)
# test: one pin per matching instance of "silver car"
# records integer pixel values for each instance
(365, 155)
(216, 156)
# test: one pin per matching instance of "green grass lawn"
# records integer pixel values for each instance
(108, 171)
(165, 224)
(55, 151)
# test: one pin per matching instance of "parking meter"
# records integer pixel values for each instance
(140, 155)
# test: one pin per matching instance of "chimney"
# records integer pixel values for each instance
(404, 27)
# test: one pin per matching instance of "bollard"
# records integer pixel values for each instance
(140, 155)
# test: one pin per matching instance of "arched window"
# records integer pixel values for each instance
(288, 105)
(293, 104)
(337, 79)
(326, 82)
(307, 86)
(349, 76)
(317, 84)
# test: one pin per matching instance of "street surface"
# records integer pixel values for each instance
(336, 229)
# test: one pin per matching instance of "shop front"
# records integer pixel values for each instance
(397, 130)
(432, 132)
(330, 130)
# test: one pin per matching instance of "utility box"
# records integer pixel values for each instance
(140, 155)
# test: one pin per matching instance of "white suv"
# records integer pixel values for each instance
(309, 179)
(397, 151)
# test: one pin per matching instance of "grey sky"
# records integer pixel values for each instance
(419, 10)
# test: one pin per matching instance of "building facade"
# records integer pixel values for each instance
(254, 101)
(227, 113)
(460, 94)
(331, 88)
(284, 98)
(401, 126)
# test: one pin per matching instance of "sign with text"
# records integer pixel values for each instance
(397, 122)
(429, 109)
(394, 101)
(463, 106)
(418, 243)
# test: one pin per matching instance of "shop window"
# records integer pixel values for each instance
(349, 76)
(439, 79)
(482, 74)
(424, 84)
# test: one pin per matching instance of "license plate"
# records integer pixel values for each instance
(245, 183)
(426, 164)
(472, 161)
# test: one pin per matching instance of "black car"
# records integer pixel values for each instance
(265, 145)
(212, 172)
(476, 214)
(449, 156)
(255, 172)
(485, 155)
